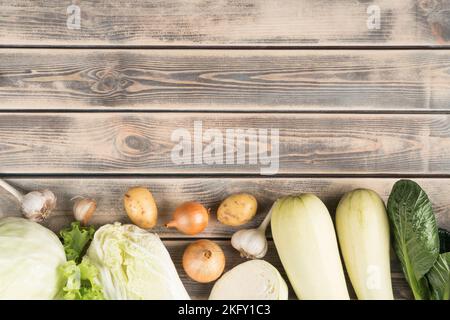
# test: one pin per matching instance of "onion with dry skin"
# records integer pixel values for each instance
(190, 218)
(83, 209)
(203, 261)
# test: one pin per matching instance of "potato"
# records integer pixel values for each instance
(237, 209)
(141, 207)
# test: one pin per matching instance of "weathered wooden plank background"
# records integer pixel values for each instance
(224, 80)
(230, 22)
(91, 111)
(143, 143)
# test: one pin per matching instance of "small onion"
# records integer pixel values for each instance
(83, 209)
(190, 218)
(203, 261)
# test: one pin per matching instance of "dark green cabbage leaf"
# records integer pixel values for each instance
(416, 240)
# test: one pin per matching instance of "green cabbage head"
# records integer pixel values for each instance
(30, 258)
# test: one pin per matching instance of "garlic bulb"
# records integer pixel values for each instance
(35, 205)
(252, 243)
(83, 209)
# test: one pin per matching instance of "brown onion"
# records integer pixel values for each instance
(203, 261)
(189, 218)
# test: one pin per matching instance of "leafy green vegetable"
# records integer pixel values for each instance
(80, 276)
(134, 264)
(30, 257)
(82, 281)
(415, 234)
(439, 278)
(75, 239)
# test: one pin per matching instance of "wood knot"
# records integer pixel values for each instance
(108, 81)
(131, 142)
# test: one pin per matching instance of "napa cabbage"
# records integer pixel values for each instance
(134, 264)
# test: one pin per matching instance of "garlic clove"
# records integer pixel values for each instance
(83, 209)
(37, 205)
(251, 243)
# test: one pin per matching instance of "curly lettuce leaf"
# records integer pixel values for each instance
(416, 241)
(75, 239)
(81, 281)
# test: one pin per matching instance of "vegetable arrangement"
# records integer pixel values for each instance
(126, 261)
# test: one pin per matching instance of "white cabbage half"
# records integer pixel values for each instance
(251, 280)
(30, 257)
(134, 264)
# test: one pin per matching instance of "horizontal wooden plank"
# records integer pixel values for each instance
(224, 80)
(150, 143)
(234, 22)
(171, 192)
(202, 291)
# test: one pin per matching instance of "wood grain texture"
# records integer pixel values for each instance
(223, 80)
(225, 22)
(143, 143)
(171, 192)
(202, 291)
